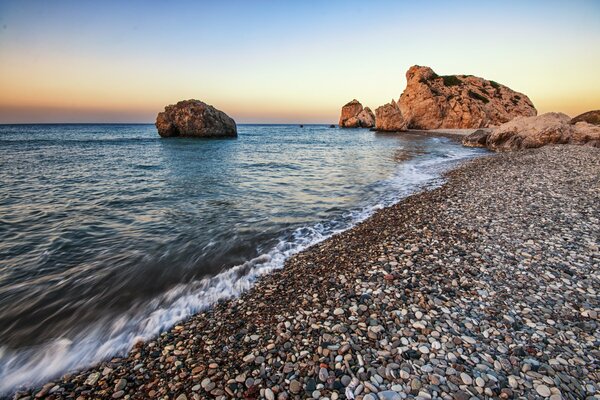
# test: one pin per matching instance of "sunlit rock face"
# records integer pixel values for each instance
(194, 118)
(353, 115)
(388, 118)
(431, 101)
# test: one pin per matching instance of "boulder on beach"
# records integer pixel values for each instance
(476, 139)
(353, 115)
(431, 101)
(194, 118)
(537, 131)
(591, 117)
(388, 118)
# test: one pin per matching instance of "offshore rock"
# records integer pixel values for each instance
(431, 101)
(353, 115)
(194, 118)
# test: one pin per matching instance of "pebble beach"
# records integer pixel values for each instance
(487, 287)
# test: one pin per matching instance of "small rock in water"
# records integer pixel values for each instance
(92, 378)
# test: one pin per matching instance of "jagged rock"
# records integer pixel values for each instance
(458, 101)
(366, 118)
(355, 116)
(389, 118)
(533, 132)
(591, 117)
(193, 118)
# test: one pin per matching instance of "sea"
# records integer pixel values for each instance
(110, 234)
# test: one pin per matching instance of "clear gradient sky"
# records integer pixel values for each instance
(282, 61)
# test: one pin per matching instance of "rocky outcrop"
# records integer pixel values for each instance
(388, 118)
(355, 116)
(533, 132)
(591, 117)
(431, 101)
(193, 118)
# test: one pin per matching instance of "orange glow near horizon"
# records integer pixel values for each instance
(282, 63)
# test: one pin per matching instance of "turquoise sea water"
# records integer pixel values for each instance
(109, 233)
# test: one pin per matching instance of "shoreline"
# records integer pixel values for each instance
(411, 169)
(382, 306)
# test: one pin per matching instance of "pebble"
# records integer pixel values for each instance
(120, 385)
(207, 384)
(467, 380)
(92, 379)
(323, 374)
(389, 395)
(269, 395)
(295, 387)
(543, 390)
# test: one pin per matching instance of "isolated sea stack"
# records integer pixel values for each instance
(533, 132)
(355, 116)
(431, 101)
(194, 118)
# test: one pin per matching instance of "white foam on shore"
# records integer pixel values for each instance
(109, 338)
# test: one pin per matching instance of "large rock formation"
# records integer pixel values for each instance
(355, 116)
(592, 117)
(388, 118)
(193, 118)
(533, 132)
(458, 101)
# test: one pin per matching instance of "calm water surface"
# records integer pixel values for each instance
(109, 233)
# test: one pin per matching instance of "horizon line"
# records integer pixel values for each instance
(152, 123)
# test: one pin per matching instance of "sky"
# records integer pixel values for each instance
(283, 61)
